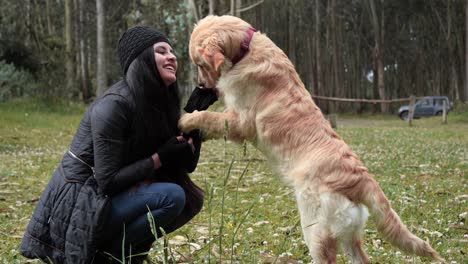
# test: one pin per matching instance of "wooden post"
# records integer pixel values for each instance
(411, 110)
(444, 112)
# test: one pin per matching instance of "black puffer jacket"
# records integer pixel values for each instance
(103, 159)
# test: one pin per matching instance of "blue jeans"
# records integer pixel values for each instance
(130, 208)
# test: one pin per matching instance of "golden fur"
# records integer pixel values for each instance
(268, 105)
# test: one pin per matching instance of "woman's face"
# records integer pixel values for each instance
(166, 62)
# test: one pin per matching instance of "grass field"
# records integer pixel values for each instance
(249, 215)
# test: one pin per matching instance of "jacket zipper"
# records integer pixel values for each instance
(80, 160)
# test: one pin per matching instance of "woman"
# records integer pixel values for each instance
(126, 159)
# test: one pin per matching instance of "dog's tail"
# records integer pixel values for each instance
(391, 227)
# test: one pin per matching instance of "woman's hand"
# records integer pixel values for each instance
(176, 152)
(189, 140)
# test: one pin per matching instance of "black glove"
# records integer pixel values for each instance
(175, 154)
(196, 136)
(200, 99)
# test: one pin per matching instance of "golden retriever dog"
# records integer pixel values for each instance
(268, 105)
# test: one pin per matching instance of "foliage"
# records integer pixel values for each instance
(330, 42)
(33, 45)
(13, 51)
(171, 18)
(460, 107)
(248, 208)
(16, 82)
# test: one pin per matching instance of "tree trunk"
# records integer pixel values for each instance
(84, 74)
(194, 10)
(327, 80)
(211, 6)
(101, 76)
(310, 74)
(68, 50)
(465, 99)
(318, 51)
(337, 76)
(76, 46)
(238, 8)
(291, 50)
(39, 27)
(49, 22)
(233, 8)
(378, 53)
(375, 86)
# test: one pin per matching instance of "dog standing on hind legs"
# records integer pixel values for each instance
(268, 105)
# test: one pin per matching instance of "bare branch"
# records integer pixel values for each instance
(250, 7)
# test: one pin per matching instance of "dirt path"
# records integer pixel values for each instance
(356, 122)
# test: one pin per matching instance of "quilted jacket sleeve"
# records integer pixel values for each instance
(110, 121)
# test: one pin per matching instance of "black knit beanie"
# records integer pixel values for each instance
(134, 41)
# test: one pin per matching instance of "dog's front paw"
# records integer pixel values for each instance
(188, 122)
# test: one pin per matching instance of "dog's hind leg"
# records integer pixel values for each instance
(322, 246)
(353, 249)
(345, 220)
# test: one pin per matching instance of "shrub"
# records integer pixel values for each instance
(15, 82)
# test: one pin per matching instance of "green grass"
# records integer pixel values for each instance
(250, 215)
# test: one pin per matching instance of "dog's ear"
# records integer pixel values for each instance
(214, 58)
(218, 60)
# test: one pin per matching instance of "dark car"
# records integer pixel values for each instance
(427, 106)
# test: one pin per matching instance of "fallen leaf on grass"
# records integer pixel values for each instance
(203, 230)
(215, 253)
(178, 240)
(427, 231)
(187, 258)
(458, 227)
(376, 243)
(267, 258)
(462, 216)
(33, 200)
(286, 228)
(9, 183)
(261, 223)
(194, 247)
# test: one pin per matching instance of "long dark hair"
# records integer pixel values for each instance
(157, 107)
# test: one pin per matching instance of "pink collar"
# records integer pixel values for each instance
(244, 47)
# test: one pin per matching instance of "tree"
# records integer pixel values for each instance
(84, 73)
(101, 75)
(466, 52)
(318, 51)
(193, 9)
(378, 53)
(211, 4)
(418, 47)
(69, 58)
(50, 28)
(336, 51)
